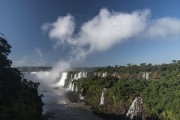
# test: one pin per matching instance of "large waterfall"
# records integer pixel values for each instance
(75, 76)
(136, 108)
(54, 99)
(63, 78)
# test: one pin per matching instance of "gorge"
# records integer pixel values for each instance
(117, 92)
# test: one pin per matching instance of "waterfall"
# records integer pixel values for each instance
(82, 75)
(136, 108)
(99, 74)
(63, 78)
(75, 76)
(72, 88)
(70, 84)
(102, 97)
(81, 95)
(104, 74)
(79, 75)
(76, 88)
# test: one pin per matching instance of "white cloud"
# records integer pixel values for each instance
(105, 30)
(164, 28)
(61, 30)
(110, 28)
(100, 33)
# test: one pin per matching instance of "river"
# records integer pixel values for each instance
(55, 103)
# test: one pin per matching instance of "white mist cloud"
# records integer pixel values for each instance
(105, 30)
(98, 34)
(164, 28)
(49, 77)
(110, 28)
(61, 30)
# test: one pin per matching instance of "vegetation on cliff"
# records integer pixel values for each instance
(19, 99)
(160, 92)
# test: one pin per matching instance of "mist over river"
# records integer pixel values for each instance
(55, 102)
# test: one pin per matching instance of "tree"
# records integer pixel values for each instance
(5, 49)
(19, 99)
(174, 61)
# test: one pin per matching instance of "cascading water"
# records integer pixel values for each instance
(70, 82)
(55, 101)
(75, 76)
(63, 78)
(99, 74)
(72, 88)
(104, 74)
(79, 75)
(102, 97)
(76, 88)
(82, 75)
(136, 108)
(81, 95)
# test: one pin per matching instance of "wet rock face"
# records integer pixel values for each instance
(136, 109)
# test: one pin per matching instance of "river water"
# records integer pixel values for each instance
(55, 103)
(54, 100)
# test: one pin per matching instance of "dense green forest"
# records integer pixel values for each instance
(160, 91)
(19, 99)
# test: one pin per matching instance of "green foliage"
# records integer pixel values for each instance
(72, 96)
(161, 93)
(19, 99)
(5, 49)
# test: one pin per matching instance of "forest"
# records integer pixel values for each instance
(19, 99)
(160, 91)
(158, 85)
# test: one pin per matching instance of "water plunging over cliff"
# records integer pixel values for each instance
(54, 100)
(102, 97)
(75, 76)
(63, 78)
(136, 108)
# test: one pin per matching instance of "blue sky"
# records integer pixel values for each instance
(21, 22)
